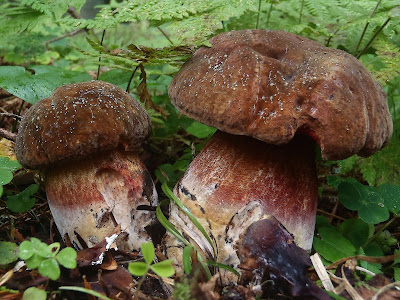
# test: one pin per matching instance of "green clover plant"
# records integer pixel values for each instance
(47, 258)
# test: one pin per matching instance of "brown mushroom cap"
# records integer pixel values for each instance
(272, 84)
(78, 120)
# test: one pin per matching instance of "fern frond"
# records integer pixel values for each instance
(187, 19)
(389, 54)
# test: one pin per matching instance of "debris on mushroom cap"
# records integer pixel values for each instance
(78, 120)
(272, 84)
(275, 262)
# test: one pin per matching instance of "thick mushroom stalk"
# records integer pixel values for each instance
(85, 138)
(89, 198)
(238, 180)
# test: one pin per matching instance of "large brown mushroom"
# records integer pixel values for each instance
(273, 94)
(85, 137)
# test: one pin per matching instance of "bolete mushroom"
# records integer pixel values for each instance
(273, 94)
(85, 137)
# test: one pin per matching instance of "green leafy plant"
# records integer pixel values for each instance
(32, 87)
(373, 204)
(7, 167)
(47, 258)
(141, 268)
(22, 201)
(8, 253)
(34, 293)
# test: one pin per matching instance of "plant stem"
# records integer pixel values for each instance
(14, 126)
(301, 11)
(258, 14)
(130, 79)
(373, 37)
(101, 44)
(366, 27)
(164, 34)
(139, 285)
(269, 13)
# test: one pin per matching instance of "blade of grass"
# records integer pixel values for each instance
(83, 290)
(178, 202)
(168, 225)
(222, 266)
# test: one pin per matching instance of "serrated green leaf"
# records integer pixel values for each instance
(50, 268)
(34, 293)
(163, 268)
(147, 252)
(23, 201)
(138, 268)
(33, 87)
(67, 258)
(8, 253)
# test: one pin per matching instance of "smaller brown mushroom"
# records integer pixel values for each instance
(85, 137)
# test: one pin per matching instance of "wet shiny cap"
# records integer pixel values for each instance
(78, 120)
(272, 84)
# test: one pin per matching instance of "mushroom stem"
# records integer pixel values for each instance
(237, 180)
(91, 197)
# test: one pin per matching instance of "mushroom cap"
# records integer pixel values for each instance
(272, 84)
(78, 120)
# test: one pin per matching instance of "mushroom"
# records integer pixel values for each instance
(272, 95)
(85, 138)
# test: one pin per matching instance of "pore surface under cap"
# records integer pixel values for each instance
(271, 84)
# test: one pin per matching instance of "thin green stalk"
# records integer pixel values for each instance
(15, 123)
(373, 37)
(366, 27)
(269, 13)
(301, 11)
(165, 35)
(258, 14)
(101, 44)
(131, 78)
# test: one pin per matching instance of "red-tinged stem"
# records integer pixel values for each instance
(91, 197)
(237, 180)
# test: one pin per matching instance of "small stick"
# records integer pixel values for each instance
(8, 135)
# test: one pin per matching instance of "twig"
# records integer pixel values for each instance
(384, 289)
(74, 13)
(330, 214)
(68, 34)
(370, 259)
(7, 114)
(8, 135)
